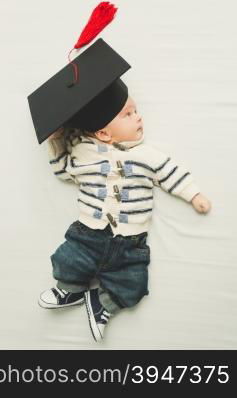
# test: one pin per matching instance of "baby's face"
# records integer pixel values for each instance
(126, 126)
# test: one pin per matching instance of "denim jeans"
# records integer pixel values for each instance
(118, 262)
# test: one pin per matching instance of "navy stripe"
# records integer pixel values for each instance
(58, 158)
(135, 211)
(135, 187)
(93, 174)
(91, 184)
(63, 170)
(137, 200)
(88, 204)
(170, 174)
(88, 164)
(59, 172)
(144, 165)
(91, 194)
(87, 142)
(178, 182)
(163, 165)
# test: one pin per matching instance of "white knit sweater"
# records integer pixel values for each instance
(116, 181)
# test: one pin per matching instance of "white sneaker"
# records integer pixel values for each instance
(58, 298)
(97, 314)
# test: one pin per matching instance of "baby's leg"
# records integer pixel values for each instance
(74, 265)
(124, 282)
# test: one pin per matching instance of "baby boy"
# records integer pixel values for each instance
(116, 173)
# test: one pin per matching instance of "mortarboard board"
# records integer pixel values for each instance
(89, 104)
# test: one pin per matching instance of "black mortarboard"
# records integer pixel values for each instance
(89, 104)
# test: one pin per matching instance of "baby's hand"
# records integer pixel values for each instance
(200, 203)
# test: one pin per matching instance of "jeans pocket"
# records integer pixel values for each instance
(77, 225)
(141, 242)
(143, 251)
(83, 229)
(142, 248)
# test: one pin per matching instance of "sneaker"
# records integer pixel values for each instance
(58, 298)
(97, 314)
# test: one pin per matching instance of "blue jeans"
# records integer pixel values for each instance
(118, 262)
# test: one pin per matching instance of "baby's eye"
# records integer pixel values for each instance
(129, 113)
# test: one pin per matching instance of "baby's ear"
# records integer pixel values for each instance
(102, 135)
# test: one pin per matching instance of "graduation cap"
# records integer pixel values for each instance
(90, 102)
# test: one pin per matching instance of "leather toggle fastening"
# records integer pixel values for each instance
(120, 168)
(116, 193)
(111, 219)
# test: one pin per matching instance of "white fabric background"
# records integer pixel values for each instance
(183, 78)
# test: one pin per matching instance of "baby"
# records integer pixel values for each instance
(116, 173)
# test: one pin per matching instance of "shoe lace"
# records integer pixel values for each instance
(105, 315)
(61, 292)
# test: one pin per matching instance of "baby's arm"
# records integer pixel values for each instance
(59, 156)
(178, 181)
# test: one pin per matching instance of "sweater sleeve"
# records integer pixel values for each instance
(59, 157)
(174, 179)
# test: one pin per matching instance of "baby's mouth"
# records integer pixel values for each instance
(139, 132)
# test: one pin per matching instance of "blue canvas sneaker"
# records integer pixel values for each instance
(58, 298)
(97, 314)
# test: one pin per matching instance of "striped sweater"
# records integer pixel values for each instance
(116, 181)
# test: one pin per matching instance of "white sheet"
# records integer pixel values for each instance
(183, 78)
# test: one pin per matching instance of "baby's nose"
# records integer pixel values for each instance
(139, 117)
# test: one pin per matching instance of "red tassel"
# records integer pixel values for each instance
(101, 16)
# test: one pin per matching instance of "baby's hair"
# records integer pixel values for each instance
(75, 132)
